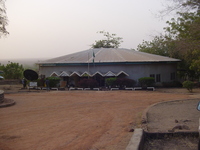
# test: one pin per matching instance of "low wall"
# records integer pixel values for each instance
(137, 140)
(10, 81)
(1, 96)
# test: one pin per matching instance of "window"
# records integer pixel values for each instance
(153, 76)
(173, 76)
(158, 78)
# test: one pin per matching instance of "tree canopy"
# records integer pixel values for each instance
(111, 41)
(181, 6)
(181, 40)
(3, 18)
(12, 70)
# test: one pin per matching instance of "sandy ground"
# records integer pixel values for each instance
(174, 116)
(77, 120)
(177, 113)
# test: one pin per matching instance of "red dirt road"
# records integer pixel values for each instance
(77, 120)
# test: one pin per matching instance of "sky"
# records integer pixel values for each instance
(50, 28)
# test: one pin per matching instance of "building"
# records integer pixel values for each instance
(102, 63)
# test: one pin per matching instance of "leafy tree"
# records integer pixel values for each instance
(158, 46)
(185, 33)
(181, 40)
(3, 19)
(12, 70)
(111, 41)
(181, 6)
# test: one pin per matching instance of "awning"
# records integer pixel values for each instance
(86, 74)
(110, 74)
(122, 72)
(76, 73)
(65, 74)
(54, 74)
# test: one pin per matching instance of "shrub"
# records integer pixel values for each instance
(146, 81)
(189, 85)
(124, 82)
(88, 83)
(110, 81)
(53, 81)
(172, 84)
(41, 82)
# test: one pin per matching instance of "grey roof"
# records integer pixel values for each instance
(103, 55)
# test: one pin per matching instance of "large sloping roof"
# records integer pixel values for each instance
(105, 55)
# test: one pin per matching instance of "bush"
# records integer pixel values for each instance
(172, 84)
(110, 81)
(189, 85)
(146, 81)
(88, 83)
(41, 82)
(124, 82)
(53, 81)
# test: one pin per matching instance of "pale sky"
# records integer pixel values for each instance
(50, 28)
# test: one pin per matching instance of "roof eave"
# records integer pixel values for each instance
(107, 63)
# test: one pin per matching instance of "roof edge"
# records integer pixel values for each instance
(107, 63)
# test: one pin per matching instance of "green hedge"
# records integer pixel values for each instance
(110, 81)
(53, 81)
(146, 81)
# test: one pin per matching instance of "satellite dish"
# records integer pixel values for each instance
(30, 75)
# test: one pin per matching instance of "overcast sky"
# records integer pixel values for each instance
(50, 28)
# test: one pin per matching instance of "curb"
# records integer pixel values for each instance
(144, 114)
(137, 140)
(7, 102)
(139, 136)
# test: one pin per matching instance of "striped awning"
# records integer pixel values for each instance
(86, 73)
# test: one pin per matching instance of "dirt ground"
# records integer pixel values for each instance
(78, 120)
(174, 114)
(179, 116)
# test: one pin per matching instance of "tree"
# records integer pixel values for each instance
(110, 42)
(185, 32)
(158, 46)
(181, 6)
(12, 71)
(3, 19)
(181, 40)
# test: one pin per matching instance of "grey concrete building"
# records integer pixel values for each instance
(103, 63)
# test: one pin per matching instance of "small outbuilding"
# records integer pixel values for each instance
(102, 63)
